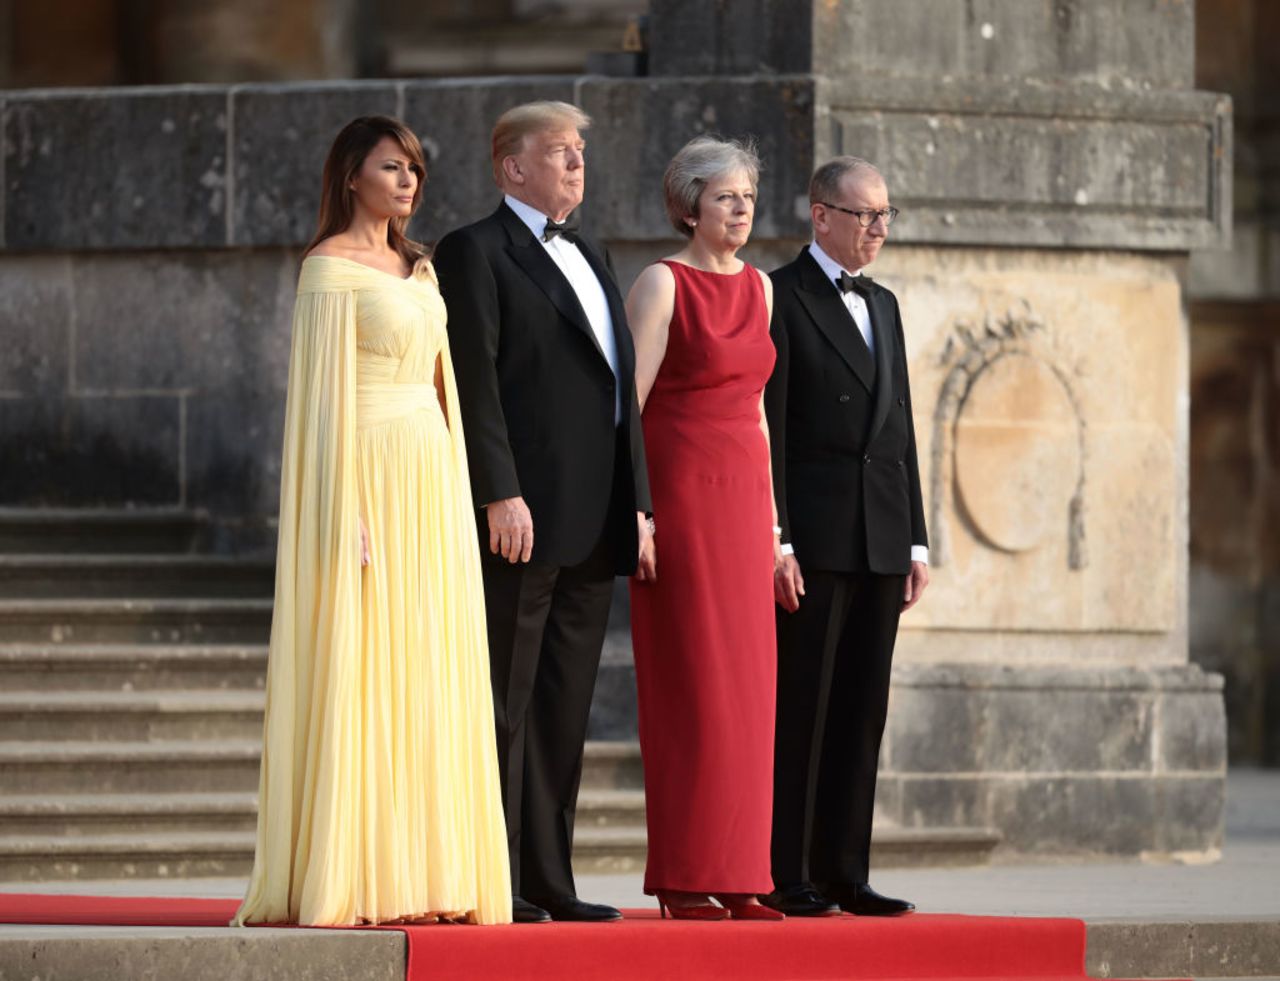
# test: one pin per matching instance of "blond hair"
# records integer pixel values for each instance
(531, 117)
(700, 161)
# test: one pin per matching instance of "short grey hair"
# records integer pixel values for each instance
(824, 186)
(700, 161)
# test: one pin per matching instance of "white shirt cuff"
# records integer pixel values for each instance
(920, 553)
(788, 548)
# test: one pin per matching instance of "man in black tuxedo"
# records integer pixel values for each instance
(847, 487)
(545, 372)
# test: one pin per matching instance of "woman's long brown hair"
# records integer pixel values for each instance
(346, 157)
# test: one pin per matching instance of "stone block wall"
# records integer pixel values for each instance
(1060, 759)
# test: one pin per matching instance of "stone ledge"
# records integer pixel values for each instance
(1219, 948)
(198, 954)
(972, 161)
(982, 163)
(1180, 678)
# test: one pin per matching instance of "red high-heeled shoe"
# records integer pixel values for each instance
(742, 909)
(697, 911)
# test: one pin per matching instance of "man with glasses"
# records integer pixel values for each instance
(855, 554)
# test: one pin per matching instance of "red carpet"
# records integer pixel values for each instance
(920, 946)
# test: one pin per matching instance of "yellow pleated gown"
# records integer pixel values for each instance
(379, 793)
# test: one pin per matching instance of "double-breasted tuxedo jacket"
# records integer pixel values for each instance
(847, 486)
(846, 478)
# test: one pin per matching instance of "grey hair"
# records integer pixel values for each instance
(700, 161)
(825, 184)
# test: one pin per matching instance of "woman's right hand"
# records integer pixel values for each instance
(365, 554)
(647, 567)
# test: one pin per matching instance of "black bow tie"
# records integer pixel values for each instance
(855, 284)
(568, 228)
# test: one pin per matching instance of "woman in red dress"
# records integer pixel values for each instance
(702, 613)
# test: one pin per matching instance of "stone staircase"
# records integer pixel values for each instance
(132, 668)
(131, 675)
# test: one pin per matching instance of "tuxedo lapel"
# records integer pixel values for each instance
(529, 255)
(882, 330)
(822, 302)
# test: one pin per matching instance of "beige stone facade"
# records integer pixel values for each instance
(1046, 389)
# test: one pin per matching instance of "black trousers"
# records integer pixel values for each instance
(546, 629)
(834, 660)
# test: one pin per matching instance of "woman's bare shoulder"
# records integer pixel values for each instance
(333, 246)
(656, 278)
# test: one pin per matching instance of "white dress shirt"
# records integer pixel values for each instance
(854, 303)
(568, 257)
(857, 308)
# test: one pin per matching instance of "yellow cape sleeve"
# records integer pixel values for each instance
(309, 727)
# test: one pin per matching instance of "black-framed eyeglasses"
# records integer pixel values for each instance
(866, 218)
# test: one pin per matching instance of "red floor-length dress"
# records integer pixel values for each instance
(704, 631)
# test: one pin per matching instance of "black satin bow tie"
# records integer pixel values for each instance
(854, 284)
(568, 228)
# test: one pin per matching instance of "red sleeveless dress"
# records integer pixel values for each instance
(703, 633)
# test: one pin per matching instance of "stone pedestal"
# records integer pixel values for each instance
(1054, 169)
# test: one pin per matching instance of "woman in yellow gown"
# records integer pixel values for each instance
(379, 799)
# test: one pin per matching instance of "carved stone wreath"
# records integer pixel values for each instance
(1009, 447)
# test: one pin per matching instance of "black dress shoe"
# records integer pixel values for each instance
(802, 900)
(523, 911)
(862, 900)
(573, 909)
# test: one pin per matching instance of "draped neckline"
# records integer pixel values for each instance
(364, 265)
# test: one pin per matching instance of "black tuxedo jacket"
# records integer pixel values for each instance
(845, 474)
(536, 391)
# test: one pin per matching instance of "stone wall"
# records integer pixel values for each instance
(1043, 687)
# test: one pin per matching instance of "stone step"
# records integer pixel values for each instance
(42, 530)
(193, 854)
(131, 716)
(80, 815)
(622, 848)
(154, 855)
(894, 847)
(67, 766)
(169, 767)
(89, 836)
(610, 764)
(608, 851)
(135, 953)
(599, 808)
(133, 576)
(131, 667)
(125, 621)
